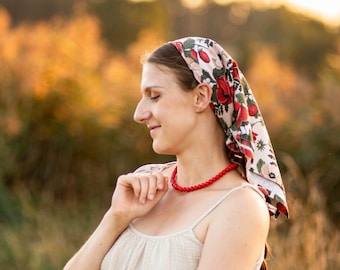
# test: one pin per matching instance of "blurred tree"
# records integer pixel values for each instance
(122, 20)
(66, 107)
(299, 41)
(37, 10)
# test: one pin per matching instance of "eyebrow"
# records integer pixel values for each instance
(151, 87)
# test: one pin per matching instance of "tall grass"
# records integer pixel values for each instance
(307, 240)
(47, 233)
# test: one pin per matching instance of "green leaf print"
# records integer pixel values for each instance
(259, 165)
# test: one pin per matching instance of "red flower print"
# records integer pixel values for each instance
(245, 142)
(252, 108)
(237, 105)
(204, 56)
(263, 190)
(247, 152)
(246, 148)
(193, 54)
(242, 116)
(224, 91)
(179, 46)
(236, 74)
(282, 208)
(254, 135)
(233, 146)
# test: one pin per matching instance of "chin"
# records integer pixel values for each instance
(161, 150)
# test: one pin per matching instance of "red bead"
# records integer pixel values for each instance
(229, 168)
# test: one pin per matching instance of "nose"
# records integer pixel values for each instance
(142, 113)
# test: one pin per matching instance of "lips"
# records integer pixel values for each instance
(153, 128)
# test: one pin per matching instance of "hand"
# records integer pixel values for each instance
(136, 194)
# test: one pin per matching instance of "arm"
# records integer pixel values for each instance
(92, 252)
(134, 196)
(237, 233)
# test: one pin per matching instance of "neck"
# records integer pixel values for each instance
(204, 154)
(197, 167)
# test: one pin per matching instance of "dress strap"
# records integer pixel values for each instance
(245, 185)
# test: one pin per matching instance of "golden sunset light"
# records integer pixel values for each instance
(326, 10)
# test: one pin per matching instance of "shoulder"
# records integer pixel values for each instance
(243, 212)
(237, 231)
(247, 203)
(150, 168)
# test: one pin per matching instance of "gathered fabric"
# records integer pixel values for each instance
(238, 113)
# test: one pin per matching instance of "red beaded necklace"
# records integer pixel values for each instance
(201, 185)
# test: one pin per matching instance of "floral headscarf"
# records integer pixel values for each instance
(235, 107)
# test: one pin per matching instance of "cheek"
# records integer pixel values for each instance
(175, 110)
(163, 110)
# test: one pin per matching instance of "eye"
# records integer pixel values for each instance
(154, 96)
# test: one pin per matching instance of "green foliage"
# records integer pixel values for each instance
(122, 20)
(45, 236)
(10, 207)
(37, 10)
(312, 40)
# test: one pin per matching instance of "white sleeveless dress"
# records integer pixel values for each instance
(134, 250)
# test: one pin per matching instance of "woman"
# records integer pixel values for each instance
(209, 209)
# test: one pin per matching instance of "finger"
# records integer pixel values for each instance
(162, 187)
(144, 188)
(132, 181)
(166, 184)
(152, 186)
(161, 181)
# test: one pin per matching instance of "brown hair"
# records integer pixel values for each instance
(168, 56)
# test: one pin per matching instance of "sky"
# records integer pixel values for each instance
(328, 9)
(324, 10)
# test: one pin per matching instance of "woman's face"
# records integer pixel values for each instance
(166, 109)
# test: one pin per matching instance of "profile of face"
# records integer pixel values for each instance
(166, 109)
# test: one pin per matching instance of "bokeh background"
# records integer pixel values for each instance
(69, 83)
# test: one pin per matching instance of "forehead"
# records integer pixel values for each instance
(156, 75)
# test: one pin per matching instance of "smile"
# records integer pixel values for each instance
(153, 128)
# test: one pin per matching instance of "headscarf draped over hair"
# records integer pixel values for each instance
(238, 113)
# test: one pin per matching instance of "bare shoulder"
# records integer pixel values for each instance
(240, 210)
(237, 231)
(241, 213)
(245, 202)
